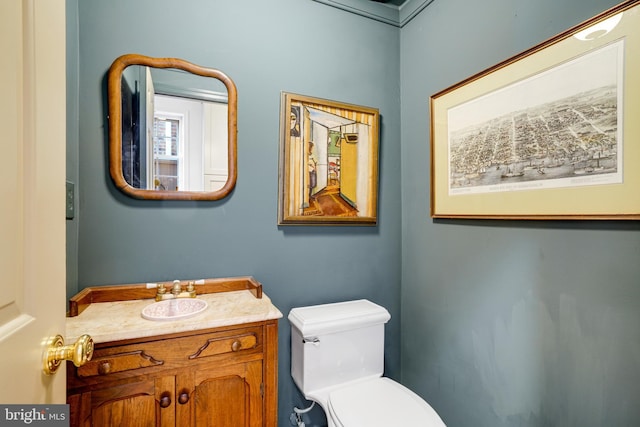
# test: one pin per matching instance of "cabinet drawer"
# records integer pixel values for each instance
(170, 353)
(117, 363)
(246, 340)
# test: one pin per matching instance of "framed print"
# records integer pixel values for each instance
(552, 133)
(328, 162)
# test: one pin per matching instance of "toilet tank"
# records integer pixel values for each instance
(336, 343)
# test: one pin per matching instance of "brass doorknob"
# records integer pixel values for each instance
(79, 353)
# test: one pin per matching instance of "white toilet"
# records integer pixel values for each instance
(337, 360)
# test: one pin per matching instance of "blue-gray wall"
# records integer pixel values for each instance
(266, 47)
(509, 323)
(503, 323)
(72, 53)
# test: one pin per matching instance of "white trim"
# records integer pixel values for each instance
(397, 16)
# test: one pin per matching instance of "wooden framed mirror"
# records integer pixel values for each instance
(172, 129)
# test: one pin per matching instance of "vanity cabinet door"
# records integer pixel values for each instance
(147, 403)
(230, 396)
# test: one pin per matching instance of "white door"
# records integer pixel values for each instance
(32, 190)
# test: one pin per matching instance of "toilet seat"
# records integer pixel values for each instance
(380, 402)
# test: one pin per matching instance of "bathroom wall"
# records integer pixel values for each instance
(265, 47)
(509, 323)
(505, 323)
(72, 141)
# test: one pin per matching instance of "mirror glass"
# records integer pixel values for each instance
(172, 129)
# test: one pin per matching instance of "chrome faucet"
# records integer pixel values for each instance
(176, 291)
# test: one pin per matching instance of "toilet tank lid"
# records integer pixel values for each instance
(337, 317)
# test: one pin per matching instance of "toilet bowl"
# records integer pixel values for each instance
(380, 402)
(337, 359)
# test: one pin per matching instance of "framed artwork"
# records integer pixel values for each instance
(552, 133)
(328, 172)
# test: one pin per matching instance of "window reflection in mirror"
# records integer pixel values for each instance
(172, 129)
(175, 136)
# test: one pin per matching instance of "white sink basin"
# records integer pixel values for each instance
(172, 309)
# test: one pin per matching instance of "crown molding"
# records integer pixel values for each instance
(398, 16)
(410, 9)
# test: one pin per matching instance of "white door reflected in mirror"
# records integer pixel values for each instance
(189, 150)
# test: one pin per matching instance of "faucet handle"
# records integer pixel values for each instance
(160, 292)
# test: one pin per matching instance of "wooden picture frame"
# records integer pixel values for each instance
(551, 133)
(328, 173)
(133, 143)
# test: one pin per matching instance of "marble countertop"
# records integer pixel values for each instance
(121, 320)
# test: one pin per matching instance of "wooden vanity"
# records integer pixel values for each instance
(218, 368)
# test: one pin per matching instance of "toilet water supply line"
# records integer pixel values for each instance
(296, 418)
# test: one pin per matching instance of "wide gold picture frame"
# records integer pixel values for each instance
(328, 172)
(551, 133)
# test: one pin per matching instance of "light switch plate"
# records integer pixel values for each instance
(70, 200)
